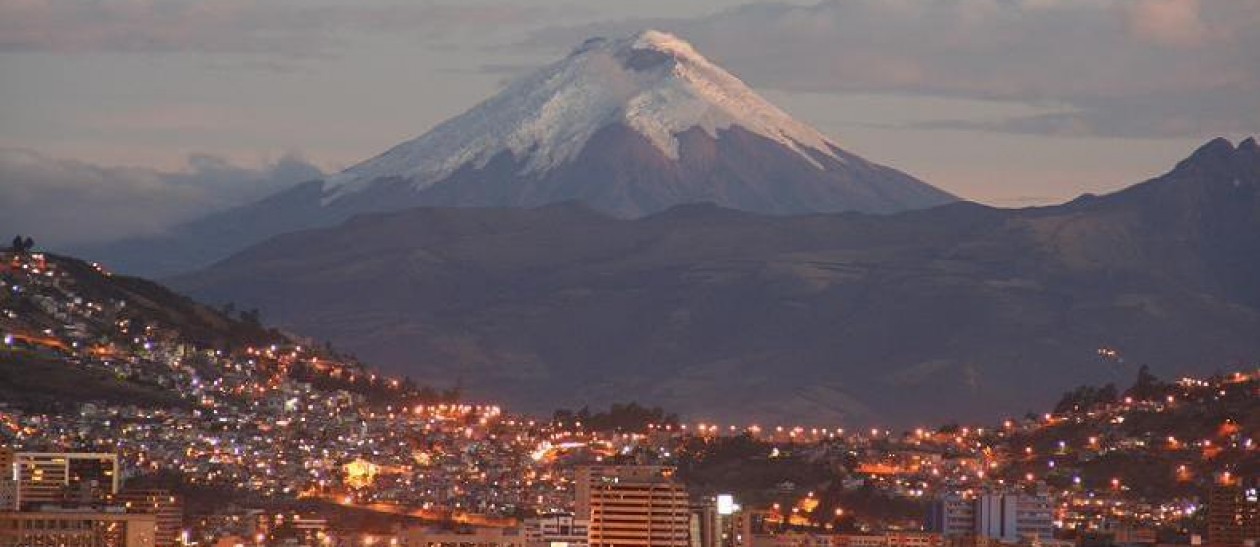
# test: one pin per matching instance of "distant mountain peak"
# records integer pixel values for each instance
(1215, 148)
(653, 82)
(1221, 149)
(1215, 178)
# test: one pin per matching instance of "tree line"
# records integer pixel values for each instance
(22, 244)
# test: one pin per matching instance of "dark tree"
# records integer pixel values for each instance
(619, 417)
(252, 317)
(1085, 397)
(1147, 386)
(21, 245)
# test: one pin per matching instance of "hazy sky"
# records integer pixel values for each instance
(205, 104)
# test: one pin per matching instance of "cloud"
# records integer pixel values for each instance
(63, 202)
(1119, 66)
(1209, 112)
(1169, 22)
(265, 27)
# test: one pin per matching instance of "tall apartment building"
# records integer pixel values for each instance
(6, 462)
(61, 478)
(1009, 517)
(952, 515)
(167, 509)
(634, 506)
(8, 484)
(707, 528)
(1234, 514)
(1034, 517)
(716, 522)
(8, 494)
(587, 477)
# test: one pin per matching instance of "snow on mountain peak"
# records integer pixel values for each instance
(652, 82)
(667, 43)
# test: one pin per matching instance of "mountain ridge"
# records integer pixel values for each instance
(827, 316)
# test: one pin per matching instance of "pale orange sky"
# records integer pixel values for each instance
(1007, 102)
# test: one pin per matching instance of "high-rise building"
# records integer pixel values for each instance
(64, 478)
(715, 522)
(76, 528)
(8, 484)
(953, 515)
(706, 525)
(587, 477)
(6, 462)
(1034, 516)
(8, 494)
(167, 509)
(1009, 517)
(635, 508)
(1234, 513)
(995, 517)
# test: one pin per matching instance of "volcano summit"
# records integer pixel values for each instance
(631, 127)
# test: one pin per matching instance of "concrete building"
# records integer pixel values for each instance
(587, 477)
(477, 537)
(560, 530)
(716, 522)
(639, 507)
(952, 516)
(8, 494)
(1008, 517)
(706, 529)
(792, 539)
(77, 528)
(1122, 534)
(167, 509)
(859, 540)
(277, 527)
(1234, 514)
(913, 539)
(8, 482)
(995, 517)
(1034, 517)
(64, 478)
(807, 539)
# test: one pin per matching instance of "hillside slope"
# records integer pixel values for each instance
(951, 312)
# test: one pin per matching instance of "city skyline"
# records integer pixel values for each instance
(273, 441)
(597, 273)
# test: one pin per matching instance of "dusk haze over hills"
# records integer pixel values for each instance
(859, 273)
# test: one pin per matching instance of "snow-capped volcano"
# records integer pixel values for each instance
(652, 82)
(631, 126)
